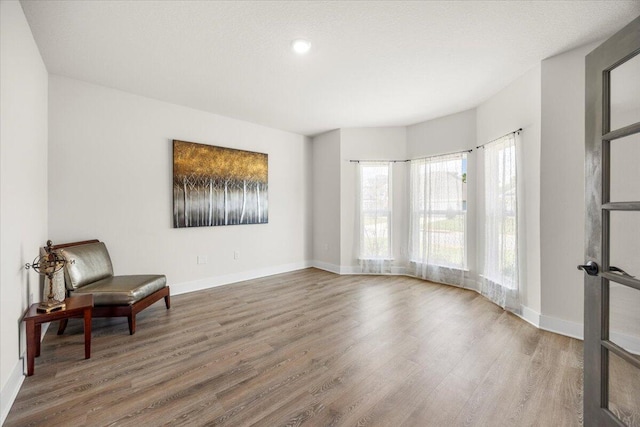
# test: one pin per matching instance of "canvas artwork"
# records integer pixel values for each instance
(218, 186)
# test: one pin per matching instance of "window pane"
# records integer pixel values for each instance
(445, 240)
(438, 210)
(501, 243)
(375, 211)
(376, 236)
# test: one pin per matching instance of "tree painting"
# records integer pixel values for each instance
(218, 186)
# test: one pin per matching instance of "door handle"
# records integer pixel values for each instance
(591, 268)
(621, 271)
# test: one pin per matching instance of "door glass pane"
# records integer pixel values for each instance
(624, 317)
(625, 93)
(625, 242)
(625, 173)
(624, 389)
(624, 302)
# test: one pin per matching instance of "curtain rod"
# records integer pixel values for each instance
(408, 160)
(508, 133)
(443, 154)
(379, 161)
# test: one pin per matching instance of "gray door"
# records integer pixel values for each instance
(612, 293)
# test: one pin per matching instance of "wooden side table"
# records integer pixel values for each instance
(78, 306)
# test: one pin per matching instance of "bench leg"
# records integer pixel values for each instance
(62, 326)
(132, 323)
(167, 301)
(87, 332)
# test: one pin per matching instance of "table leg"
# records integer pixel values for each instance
(87, 333)
(38, 336)
(31, 346)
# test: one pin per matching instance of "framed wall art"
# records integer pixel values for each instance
(218, 186)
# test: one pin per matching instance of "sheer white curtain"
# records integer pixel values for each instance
(501, 279)
(374, 202)
(438, 217)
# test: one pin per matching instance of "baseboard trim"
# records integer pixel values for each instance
(351, 269)
(530, 316)
(11, 389)
(576, 330)
(552, 324)
(471, 284)
(331, 268)
(399, 271)
(227, 279)
(356, 269)
(562, 326)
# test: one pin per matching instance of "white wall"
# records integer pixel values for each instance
(562, 184)
(110, 177)
(326, 201)
(387, 143)
(443, 135)
(517, 106)
(456, 132)
(23, 186)
(562, 215)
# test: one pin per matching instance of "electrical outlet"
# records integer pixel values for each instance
(203, 259)
(236, 254)
(326, 247)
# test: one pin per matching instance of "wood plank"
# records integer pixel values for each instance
(309, 348)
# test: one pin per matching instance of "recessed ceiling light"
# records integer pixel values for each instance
(301, 46)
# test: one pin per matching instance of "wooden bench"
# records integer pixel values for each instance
(89, 271)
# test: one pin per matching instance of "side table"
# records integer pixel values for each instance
(78, 306)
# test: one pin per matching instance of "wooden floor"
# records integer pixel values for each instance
(309, 348)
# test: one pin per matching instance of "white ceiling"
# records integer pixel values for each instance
(372, 63)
